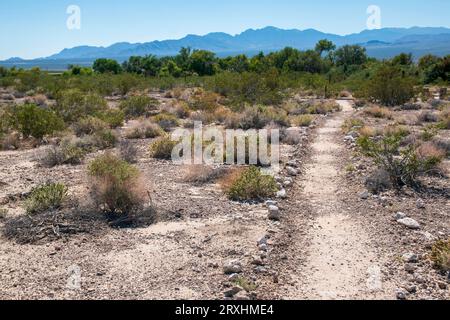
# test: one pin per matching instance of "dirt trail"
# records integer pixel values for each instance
(340, 262)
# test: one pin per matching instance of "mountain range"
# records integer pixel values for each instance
(380, 43)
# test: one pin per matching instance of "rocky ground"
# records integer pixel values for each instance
(323, 237)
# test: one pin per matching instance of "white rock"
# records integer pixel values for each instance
(291, 171)
(410, 223)
(234, 266)
(271, 203)
(410, 257)
(274, 213)
(282, 194)
(364, 195)
(399, 216)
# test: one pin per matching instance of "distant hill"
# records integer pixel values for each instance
(381, 43)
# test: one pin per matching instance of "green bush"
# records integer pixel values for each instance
(440, 255)
(162, 148)
(252, 185)
(403, 164)
(88, 126)
(138, 106)
(113, 117)
(73, 104)
(166, 121)
(116, 187)
(390, 86)
(33, 121)
(49, 196)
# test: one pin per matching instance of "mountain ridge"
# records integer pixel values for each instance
(380, 43)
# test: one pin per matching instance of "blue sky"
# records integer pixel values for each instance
(36, 28)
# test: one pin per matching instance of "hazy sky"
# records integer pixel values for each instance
(36, 28)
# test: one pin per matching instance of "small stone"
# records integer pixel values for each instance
(282, 194)
(364, 195)
(442, 285)
(410, 268)
(409, 223)
(274, 213)
(263, 247)
(401, 294)
(233, 266)
(291, 171)
(292, 163)
(410, 257)
(257, 261)
(287, 183)
(420, 204)
(271, 203)
(260, 269)
(241, 296)
(263, 240)
(233, 291)
(399, 216)
(411, 289)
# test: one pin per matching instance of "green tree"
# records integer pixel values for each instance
(324, 46)
(106, 66)
(203, 62)
(403, 59)
(390, 86)
(347, 56)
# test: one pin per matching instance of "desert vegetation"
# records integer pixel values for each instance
(86, 162)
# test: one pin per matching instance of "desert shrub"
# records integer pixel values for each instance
(403, 164)
(137, 106)
(411, 106)
(323, 107)
(201, 174)
(251, 184)
(49, 196)
(66, 153)
(304, 120)
(378, 181)
(182, 110)
(427, 116)
(445, 120)
(105, 139)
(33, 121)
(113, 117)
(429, 132)
(443, 144)
(440, 255)
(73, 105)
(162, 148)
(128, 151)
(10, 141)
(378, 112)
(290, 137)
(116, 186)
(204, 100)
(166, 121)
(144, 130)
(89, 125)
(352, 124)
(390, 86)
(367, 131)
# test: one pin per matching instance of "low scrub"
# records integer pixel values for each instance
(88, 126)
(304, 120)
(116, 186)
(47, 197)
(144, 130)
(137, 106)
(166, 121)
(379, 112)
(201, 174)
(73, 104)
(162, 148)
(403, 164)
(36, 122)
(440, 255)
(66, 153)
(128, 151)
(251, 184)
